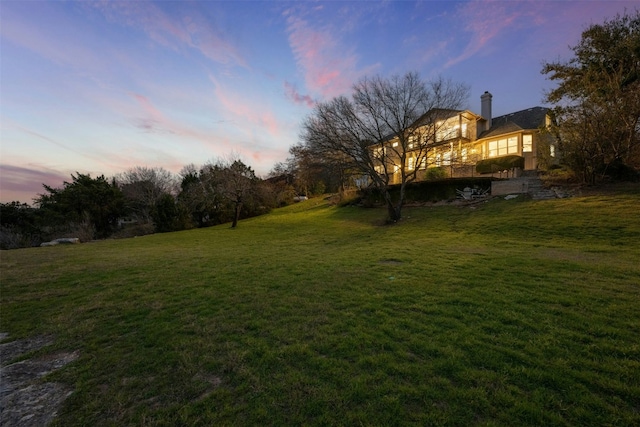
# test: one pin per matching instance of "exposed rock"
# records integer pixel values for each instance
(24, 399)
(63, 240)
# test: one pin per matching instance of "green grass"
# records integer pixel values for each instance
(510, 313)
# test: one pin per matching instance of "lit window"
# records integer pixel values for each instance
(423, 163)
(502, 147)
(410, 162)
(438, 159)
(447, 158)
(396, 168)
(464, 154)
(395, 144)
(493, 148)
(527, 144)
(552, 150)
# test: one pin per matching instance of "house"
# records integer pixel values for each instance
(518, 133)
(449, 143)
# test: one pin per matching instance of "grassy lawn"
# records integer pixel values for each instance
(509, 313)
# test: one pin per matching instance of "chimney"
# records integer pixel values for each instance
(485, 111)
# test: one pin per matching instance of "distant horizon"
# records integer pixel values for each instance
(99, 88)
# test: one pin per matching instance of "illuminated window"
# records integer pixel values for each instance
(396, 168)
(447, 132)
(438, 159)
(502, 147)
(552, 150)
(527, 143)
(446, 158)
(423, 163)
(410, 163)
(379, 169)
(395, 144)
(493, 148)
(464, 154)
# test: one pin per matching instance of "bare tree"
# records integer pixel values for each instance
(385, 121)
(235, 182)
(143, 187)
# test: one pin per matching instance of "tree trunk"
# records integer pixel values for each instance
(236, 215)
(393, 211)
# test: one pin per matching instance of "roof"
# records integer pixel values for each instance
(529, 119)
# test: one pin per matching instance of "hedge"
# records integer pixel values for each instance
(499, 164)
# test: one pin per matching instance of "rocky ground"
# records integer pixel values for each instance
(26, 399)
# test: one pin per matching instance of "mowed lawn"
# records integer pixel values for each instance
(507, 313)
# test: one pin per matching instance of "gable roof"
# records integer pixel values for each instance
(529, 119)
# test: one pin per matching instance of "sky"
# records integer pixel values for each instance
(100, 87)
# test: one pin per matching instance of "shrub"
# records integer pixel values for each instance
(435, 173)
(12, 238)
(499, 164)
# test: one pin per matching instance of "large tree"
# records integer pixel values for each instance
(144, 187)
(597, 100)
(405, 109)
(98, 201)
(237, 183)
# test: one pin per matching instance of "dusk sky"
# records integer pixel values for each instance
(100, 87)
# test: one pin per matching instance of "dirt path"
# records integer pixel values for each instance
(25, 398)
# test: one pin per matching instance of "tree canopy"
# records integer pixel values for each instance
(597, 100)
(85, 199)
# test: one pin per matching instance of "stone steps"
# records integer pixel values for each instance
(529, 183)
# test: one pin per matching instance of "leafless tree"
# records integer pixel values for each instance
(144, 186)
(384, 121)
(234, 181)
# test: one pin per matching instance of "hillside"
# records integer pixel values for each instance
(509, 312)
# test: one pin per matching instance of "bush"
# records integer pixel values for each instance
(499, 164)
(433, 174)
(11, 238)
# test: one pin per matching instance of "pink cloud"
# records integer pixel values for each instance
(189, 29)
(251, 112)
(293, 94)
(58, 47)
(330, 68)
(485, 20)
(153, 120)
(22, 184)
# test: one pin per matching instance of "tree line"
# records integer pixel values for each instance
(143, 200)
